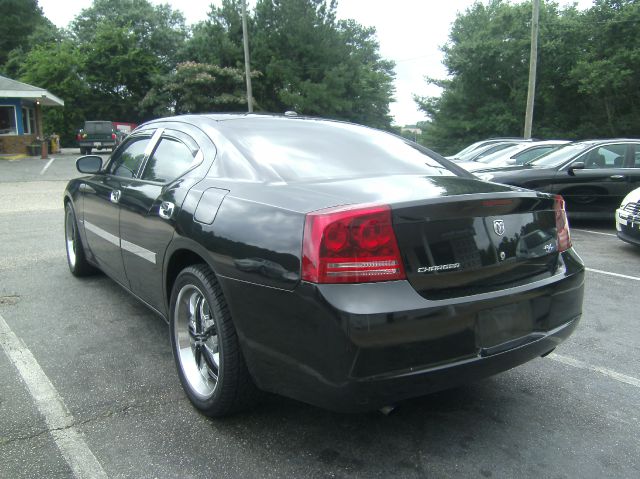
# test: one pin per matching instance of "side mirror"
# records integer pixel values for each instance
(578, 165)
(89, 164)
(511, 161)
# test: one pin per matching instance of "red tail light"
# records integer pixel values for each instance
(113, 136)
(78, 137)
(562, 225)
(352, 244)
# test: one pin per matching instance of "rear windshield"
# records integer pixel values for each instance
(310, 149)
(98, 126)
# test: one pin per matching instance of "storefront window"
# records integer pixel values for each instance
(8, 120)
(28, 121)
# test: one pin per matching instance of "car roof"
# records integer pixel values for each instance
(608, 140)
(229, 118)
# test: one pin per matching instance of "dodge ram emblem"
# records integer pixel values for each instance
(498, 227)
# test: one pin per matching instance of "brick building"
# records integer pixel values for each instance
(21, 114)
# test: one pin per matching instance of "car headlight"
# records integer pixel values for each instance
(485, 176)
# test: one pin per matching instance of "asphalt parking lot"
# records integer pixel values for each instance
(102, 381)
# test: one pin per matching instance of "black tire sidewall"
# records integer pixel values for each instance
(190, 276)
(82, 266)
(70, 215)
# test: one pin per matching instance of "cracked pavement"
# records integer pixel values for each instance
(110, 361)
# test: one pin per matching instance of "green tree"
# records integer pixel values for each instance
(309, 61)
(119, 72)
(588, 72)
(19, 19)
(608, 72)
(158, 29)
(58, 68)
(22, 27)
(197, 88)
(125, 44)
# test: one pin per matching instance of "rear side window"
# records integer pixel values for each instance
(170, 159)
(310, 149)
(128, 159)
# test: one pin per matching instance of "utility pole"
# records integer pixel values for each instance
(247, 69)
(533, 64)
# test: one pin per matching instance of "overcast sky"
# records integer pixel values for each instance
(410, 33)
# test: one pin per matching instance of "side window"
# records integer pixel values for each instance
(608, 156)
(170, 159)
(128, 161)
(635, 162)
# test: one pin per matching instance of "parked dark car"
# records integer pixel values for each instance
(99, 135)
(332, 263)
(592, 176)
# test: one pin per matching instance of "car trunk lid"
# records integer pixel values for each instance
(474, 244)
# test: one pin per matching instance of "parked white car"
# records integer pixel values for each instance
(628, 218)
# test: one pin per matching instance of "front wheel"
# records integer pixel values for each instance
(78, 264)
(205, 345)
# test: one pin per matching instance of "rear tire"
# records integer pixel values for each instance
(76, 259)
(87, 150)
(205, 346)
(83, 150)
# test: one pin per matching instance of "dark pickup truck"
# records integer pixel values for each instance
(97, 134)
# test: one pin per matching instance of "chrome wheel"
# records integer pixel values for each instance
(197, 343)
(70, 237)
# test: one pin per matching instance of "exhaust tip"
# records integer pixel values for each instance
(547, 353)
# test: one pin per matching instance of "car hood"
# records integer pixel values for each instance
(632, 197)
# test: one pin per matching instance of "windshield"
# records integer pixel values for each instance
(500, 155)
(559, 156)
(310, 149)
(469, 148)
(483, 151)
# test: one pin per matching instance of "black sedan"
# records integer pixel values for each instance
(592, 176)
(328, 262)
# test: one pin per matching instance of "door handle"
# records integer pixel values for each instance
(166, 210)
(115, 196)
(617, 177)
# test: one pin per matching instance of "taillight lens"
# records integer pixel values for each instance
(352, 244)
(113, 136)
(78, 137)
(562, 225)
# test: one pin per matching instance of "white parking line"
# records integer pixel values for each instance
(576, 363)
(59, 420)
(46, 167)
(618, 275)
(594, 232)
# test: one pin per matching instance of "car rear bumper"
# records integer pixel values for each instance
(96, 143)
(364, 346)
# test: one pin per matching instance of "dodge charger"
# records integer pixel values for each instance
(332, 263)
